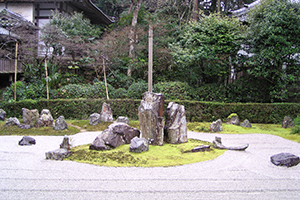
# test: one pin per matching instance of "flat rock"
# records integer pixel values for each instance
(285, 159)
(58, 154)
(27, 141)
(201, 148)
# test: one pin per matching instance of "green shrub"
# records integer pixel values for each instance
(119, 93)
(296, 128)
(136, 90)
(174, 90)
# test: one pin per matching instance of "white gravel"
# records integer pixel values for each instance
(25, 174)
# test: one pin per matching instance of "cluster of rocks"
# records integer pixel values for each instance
(233, 119)
(32, 118)
(106, 115)
(154, 129)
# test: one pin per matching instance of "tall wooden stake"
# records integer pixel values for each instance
(150, 58)
(16, 71)
(105, 82)
(47, 84)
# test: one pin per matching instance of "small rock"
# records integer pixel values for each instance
(60, 124)
(233, 119)
(26, 141)
(138, 145)
(58, 154)
(216, 126)
(65, 143)
(12, 121)
(24, 126)
(2, 114)
(122, 119)
(285, 159)
(94, 119)
(287, 122)
(201, 148)
(246, 124)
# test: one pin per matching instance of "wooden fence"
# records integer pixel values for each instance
(8, 66)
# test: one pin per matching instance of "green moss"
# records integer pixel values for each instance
(232, 115)
(163, 156)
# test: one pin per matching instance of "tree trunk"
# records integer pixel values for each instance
(195, 10)
(16, 71)
(132, 35)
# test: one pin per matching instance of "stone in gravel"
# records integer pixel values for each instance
(175, 130)
(287, 122)
(151, 117)
(201, 148)
(94, 119)
(113, 136)
(60, 124)
(26, 141)
(216, 126)
(2, 114)
(12, 121)
(106, 113)
(65, 143)
(139, 145)
(246, 124)
(218, 144)
(285, 159)
(122, 119)
(58, 154)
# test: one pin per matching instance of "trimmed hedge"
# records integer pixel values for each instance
(195, 111)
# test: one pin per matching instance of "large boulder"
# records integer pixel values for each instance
(113, 136)
(151, 117)
(12, 121)
(46, 118)
(94, 119)
(58, 154)
(287, 122)
(2, 114)
(60, 124)
(138, 145)
(31, 117)
(216, 126)
(26, 141)
(175, 130)
(106, 113)
(246, 124)
(285, 159)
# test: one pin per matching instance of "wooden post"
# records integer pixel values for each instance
(46, 72)
(16, 71)
(150, 58)
(105, 82)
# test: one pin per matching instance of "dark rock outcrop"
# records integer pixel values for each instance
(27, 141)
(285, 159)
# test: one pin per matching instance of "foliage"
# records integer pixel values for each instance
(136, 90)
(296, 128)
(274, 45)
(206, 50)
(156, 156)
(174, 90)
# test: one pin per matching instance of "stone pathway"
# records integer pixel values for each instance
(25, 174)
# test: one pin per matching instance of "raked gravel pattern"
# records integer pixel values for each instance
(26, 174)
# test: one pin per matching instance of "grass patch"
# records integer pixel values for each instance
(157, 156)
(84, 124)
(15, 130)
(272, 129)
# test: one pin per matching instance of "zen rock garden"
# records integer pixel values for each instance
(155, 129)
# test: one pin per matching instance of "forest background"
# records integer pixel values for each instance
(200, 53)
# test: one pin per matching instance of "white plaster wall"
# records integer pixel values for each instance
(26, 10)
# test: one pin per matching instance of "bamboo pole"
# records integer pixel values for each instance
(16, 71)
(150, 58)
(105, 82)
(46, 73)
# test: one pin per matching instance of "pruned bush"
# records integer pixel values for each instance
(136, 90)
(175, 90)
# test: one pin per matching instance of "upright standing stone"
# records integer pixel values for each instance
(175, 130)
(46, 118)
(65, 143)
(287, 122)
(2, 114)
(151, 117)
(106, 113)
(30, 117)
